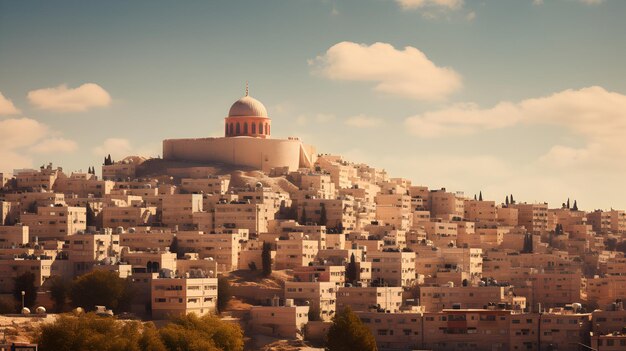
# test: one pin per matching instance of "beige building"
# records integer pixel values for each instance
(295, 252)
(286, 321)
(319, 296)
(13, 236)
(55, 222)
(180, 296)
(393, 268)
(532, 216)
(437, 298)
(370, 298)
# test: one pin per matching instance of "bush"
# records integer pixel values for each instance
(71, 332)
(206, 333)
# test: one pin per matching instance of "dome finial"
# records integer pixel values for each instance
(246, 88)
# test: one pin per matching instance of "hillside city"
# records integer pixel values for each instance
(296, 237)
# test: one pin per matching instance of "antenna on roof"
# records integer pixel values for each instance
(246, 88)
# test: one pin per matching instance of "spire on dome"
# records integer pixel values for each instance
(246, 88)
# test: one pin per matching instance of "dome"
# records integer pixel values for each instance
(247, 106)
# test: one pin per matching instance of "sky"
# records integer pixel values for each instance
(520, 97)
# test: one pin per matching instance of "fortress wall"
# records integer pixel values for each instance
(262, 154)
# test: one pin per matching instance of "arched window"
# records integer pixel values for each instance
(245, 128)
(226, 129)
(237, 129)
(253, 127)
(267, 130)
(260, 128)
(232, 129)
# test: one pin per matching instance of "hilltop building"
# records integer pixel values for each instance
(247, 142)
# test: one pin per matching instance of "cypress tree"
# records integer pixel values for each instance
(351, 272)
(507, 200)
(575, 207)
(90, 216)
(480, 196)
(303, 217)
(568, 202)
(323, 219)
(266, 259)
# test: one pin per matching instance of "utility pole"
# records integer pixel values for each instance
(23, 293)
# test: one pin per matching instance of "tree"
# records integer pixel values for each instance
(90, 216)
(25, 282)
(174, 247)
(101, 288)
(303, 217)
(575, 207)
(507, 200)
(512, 200)
(480, 196)
(348, 333)
(73, 332)
(323, 219)
(528, 243)
(32, 208)
(351, 271)
(59, 291)
(266, 259)
(475, 198)
(567, 203)
(193, 333)
(224, 294)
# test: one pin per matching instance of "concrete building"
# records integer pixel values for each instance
(180, 296)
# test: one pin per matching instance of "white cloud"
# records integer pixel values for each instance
(64, 99)
(362, 121)
(54, 145)
(591, 2)
(119, 148)
(20, 138)
(406, 73)
(16, 133)
(416, 4)
(7, 107)
(593, 115)
(303, 120)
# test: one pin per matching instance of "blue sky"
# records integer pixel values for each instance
(518, 96)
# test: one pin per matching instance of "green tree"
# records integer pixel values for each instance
(323, 218)
(266, 259)
(351, 271)
(101, 288)
(59, 291)
(206, 333)
(507, 200)
(567, 203)
(224, 293)
(25, 282)
(70, 332)
(575, 207)
(480, 196)
(348, 333)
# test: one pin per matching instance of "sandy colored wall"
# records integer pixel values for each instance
(263, 154)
